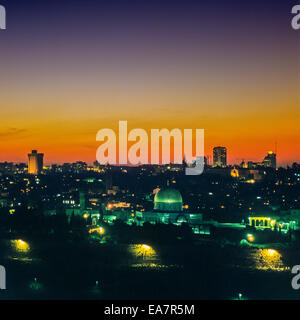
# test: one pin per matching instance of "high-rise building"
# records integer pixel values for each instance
(220, 157)
(35, 162)
(270, 160)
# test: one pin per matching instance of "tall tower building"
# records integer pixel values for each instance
(270, 160)
(35, 162)
(220, 157)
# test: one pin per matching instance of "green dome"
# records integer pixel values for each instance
(168, 200)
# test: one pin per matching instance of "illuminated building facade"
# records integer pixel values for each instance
(270, 160)
(220, 157)
(169, 200)
(35, 162)
(262, 222)
(282, 224)
(168, 209)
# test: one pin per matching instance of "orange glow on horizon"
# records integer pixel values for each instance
(66, 135)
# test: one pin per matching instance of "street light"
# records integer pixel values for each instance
(21, 245)
(144, 250)
(250, 237)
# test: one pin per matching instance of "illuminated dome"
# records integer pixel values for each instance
(168, 200)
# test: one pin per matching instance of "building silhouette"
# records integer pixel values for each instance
(220, 157)
(270, 160)
(35, 162)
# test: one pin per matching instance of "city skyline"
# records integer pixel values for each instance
(35, 161)
(210, 160)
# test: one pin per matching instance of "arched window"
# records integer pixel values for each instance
(266, 223)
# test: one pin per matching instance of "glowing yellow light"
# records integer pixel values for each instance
(109, 206)
(100, 230)
(234, 173)
(21, 245)
(85, 216)
(250, 237)
(269, 259)
(143, 250)
(271, 252)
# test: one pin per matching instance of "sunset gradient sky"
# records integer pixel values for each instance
(70, 68)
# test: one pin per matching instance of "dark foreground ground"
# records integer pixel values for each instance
(55, 270)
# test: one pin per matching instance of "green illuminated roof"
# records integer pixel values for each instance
(168, 196)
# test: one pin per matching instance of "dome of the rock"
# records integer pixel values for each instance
(169, 200)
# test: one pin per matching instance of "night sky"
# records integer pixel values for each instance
(70, 68)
